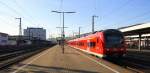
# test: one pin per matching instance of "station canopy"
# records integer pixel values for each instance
(143, 28)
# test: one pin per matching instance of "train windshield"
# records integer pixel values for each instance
(113, 39)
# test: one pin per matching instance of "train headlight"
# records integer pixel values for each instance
(107, 49)
(115, 49)
(122, 49)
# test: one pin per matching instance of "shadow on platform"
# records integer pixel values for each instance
(71, 53)
(44, 69)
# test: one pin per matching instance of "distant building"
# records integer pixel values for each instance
(22, 40)
(3, 38)
(39, 33)
(85, 34)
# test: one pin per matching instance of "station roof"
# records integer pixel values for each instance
(143, 28)
(3, 34)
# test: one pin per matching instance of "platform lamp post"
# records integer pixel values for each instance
(63, 34)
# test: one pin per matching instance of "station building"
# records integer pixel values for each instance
(39, 33)
(3, 38)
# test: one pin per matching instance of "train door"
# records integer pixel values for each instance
(85, 45)
(92, 45)
(97, 45)
(88, 48)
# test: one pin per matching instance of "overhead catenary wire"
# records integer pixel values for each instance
(25, 12)
(118, 9)
(13, 10)
(60, 15)
(5, 22)
(135, 17)
(146, 19)
(129, 19)
(94, 15)
(4, 19)
(95, 6)
(60, 8)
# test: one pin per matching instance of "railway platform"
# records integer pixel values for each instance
(142, 55)
(72, 61)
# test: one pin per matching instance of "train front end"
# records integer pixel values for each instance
(114, 43)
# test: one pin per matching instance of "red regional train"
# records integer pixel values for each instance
(105, 43)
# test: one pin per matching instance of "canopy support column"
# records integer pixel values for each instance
(139, 47)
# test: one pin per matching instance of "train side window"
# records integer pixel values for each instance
(92, 44)
(78, 43)
(81, 44)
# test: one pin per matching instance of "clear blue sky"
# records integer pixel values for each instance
(37, 13)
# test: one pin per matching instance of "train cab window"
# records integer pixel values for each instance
(92, 44)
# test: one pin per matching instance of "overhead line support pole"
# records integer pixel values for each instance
(20, 27)
(93, 22)
(79, 32)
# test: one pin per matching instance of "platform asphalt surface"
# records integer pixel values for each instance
(73, 61)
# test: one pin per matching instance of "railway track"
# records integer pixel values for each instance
(7, 59)
(134, 64)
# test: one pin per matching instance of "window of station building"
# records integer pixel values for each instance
(4, 41)
(92, 44)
